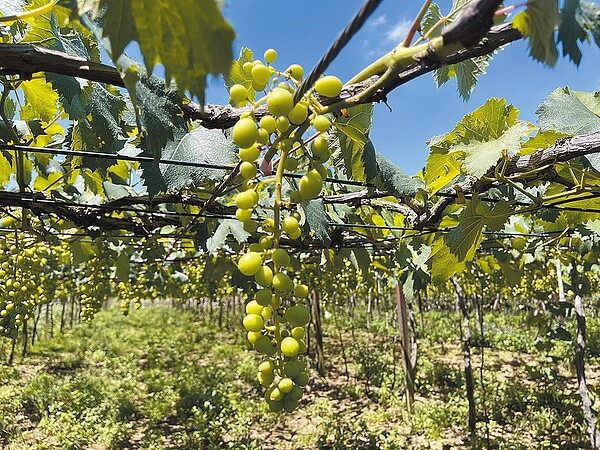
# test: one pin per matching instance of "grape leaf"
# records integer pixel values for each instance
(467, 74)
(431, 17)
(443, 264)
(481, 156)
(570, 31)
(316, 218)
(226, 228)
(198, 145)
(441, 169)
(392, 178)
(466, 237)
(537, 22)
(40, 100)
(236, 74)
(570, 112)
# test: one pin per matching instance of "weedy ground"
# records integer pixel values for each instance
(161, 378)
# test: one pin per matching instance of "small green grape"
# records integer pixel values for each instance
(296, 71)
(285, 385)
(290, 404)
(290, 347)
(267, 313)
(301, 291)
(283, 124)
(264, 345)
(250, 263)
(301, 379)
(268, 123)
(298, 114)
(265, 378)
(289, 225)
(281, 258)
(244, 200)
(320, 149)
(252, 307)
(249, 154)
(248, 170)
(264, 276)
(263, 297)
(270, 56)
(291, 164)
(298, 333)
(254, 322)
(297, 315)
(244, 132)
(280, 102)
(266, 366)
(238, 93)
(321, 123)
(328, 86)
(282, 282)
(310, 184)
(261, 74)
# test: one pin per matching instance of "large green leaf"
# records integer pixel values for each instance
(443, 264)
(392, 178)
(466, 237)
(570, 112)
(199, 145)
(316, 218)
(537, 22)
(236, 74)
(190, 38)
(571, 32)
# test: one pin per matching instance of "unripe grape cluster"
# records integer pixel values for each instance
(289, 137)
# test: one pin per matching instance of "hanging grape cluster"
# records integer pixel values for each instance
(276, 316)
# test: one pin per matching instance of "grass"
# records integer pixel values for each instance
(161, 379)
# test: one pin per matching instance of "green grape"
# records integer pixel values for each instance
(267, 313)
(283, 123)
(280, 102)
(253, 322)
(266, 242)
(255, 247)
(290, 347)
(285, 385)
(276, 407)
(291, 369)
(301, 379)
(295, 234)
(320, 168)
(296, 393)
(264, 345)
(281, 258)
(252, 307)
(244, 132)
(261, 74)
(268, 123)
(263, 297)
(320, 149)
(282, 282)
(270, 56)
(266, 366)
(276, 395)
(250, 263)
(238, 93)
(245, 199)
(297, 315)
(264, 276)
(243, 214)
(321, 123)
(251, 226)
(249, 154)
(265, 378)
(247, 68)
(296, 197)
(289, 225)
(301, 291)
(290, 404)
(296, 71)
(258, 86)
(263, 136)
(285, 144)
(298, 333)
(291, 164)
(248, 170)
(310, 185)
(298, 114)
(328, 86)
(268, 225)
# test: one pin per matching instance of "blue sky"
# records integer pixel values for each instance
(302, 32)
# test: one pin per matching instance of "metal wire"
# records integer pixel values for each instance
(355, 24)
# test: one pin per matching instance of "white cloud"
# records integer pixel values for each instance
(398, 31)
(376, 22)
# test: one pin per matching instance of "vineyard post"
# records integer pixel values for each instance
(465, 336)
(405, 344)
(316, 318)
(579, 361)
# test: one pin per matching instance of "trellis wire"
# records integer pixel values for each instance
(355, 24)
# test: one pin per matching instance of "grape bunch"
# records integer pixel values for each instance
(290, 137)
